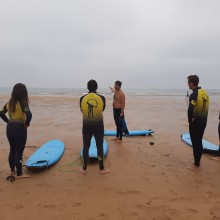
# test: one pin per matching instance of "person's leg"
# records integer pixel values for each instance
(87, 135)
(12, 142)
(195, 138)
(21, 138)
(99, 136)
(201, 128)
(124, 127)
(120, 126)
(219, 136)
(116, 113)
(116, 116)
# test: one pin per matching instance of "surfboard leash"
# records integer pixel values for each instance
(73, 164)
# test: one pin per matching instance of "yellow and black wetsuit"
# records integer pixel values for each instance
(92, 106)
(197, 118)
(17, 124)
(198, 104)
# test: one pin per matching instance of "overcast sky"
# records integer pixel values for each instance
(143, 43)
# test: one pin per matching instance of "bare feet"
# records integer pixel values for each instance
(215, 158)
(23, 176)
(12, 173)
(104, 171)
(118, 141)
(194, 167)
(83, 171)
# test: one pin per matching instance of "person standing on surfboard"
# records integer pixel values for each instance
(92, 106)
(17, 123)
(197, 117)
(118, 110)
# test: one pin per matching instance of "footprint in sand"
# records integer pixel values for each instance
(19, 207)
(76, 204)
(49, 206)
(103, 215)
(215, 212)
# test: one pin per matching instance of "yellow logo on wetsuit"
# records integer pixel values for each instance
(193, 102)
(92, 108)
(202, 105)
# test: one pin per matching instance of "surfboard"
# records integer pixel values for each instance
(207, 146)
(48, 154)
(131, 132)
(93, 149)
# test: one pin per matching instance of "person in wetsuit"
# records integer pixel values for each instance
(118, 110)
(19, 119)
(92, 106)
(197, 117)
(218, 158)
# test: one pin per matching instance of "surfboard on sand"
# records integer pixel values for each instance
(207, 146)
(48, 154)
(93, 149)
(131, 132)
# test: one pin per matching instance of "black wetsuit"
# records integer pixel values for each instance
(197, 118)
(16, 133)
(92, 106)
(219, 134)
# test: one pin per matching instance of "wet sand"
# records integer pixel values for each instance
(146, 182)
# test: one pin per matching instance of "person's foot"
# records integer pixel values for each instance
(215, 158)
(118, 141)
(12, 173)
(193, 167)
(23, 176)
(83, 171)
(115, 139)
(104, 171)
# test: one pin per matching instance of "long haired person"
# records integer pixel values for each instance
(19, 117)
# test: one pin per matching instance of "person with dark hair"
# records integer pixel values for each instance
(197, 117)
(118, 110)
(17, 123)
(92, 106)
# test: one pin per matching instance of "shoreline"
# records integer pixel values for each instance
(146, 182)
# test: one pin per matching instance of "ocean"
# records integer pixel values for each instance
(130, 92)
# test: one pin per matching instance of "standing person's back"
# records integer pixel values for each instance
(17, 123)
(197, 117)
(92, 106)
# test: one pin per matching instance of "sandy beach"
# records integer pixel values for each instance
(146, 182)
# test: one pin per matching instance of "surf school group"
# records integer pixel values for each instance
(16, 113)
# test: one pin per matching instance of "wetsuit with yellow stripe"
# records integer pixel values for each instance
(92, 106)
(197, 118)
(17, 124)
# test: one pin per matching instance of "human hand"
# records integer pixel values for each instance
(26, 126)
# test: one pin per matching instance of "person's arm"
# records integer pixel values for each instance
(104, 103)
(112, 89)
(3, 114)
(28, 114)
(80, 103)
(192, 102)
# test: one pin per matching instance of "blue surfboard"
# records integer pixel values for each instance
(48, 154)
(131, 132)
(207, 146)
(93, 149)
